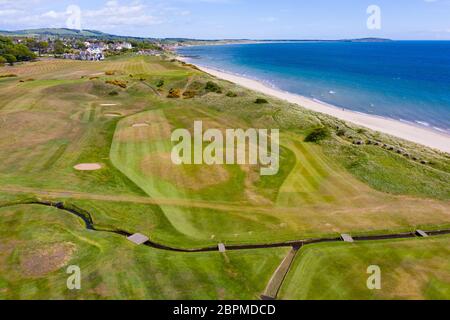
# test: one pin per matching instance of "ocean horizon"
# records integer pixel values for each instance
(408, 81)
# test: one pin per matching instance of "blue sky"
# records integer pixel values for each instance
(256, 19)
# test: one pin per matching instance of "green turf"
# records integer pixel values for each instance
(61, 119)
(114, 268)
(410, 269)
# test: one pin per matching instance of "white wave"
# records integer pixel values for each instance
(423, 123)
(441, 130)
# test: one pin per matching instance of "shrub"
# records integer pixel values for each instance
(160, 83)
(190, 65)
(341, 133)
(118, 83)
(110, 73)
(189, 94)
(231, 94)
(9, 75)
(10, 58)
(2, 61)
(213, 87)
(114, 93)
(317, 135)
(261, 101)
(174, 93)
(361, 131)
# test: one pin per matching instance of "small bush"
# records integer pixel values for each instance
(9, 75)
(261, 101)
(341, 133)
(317, 135)
(160, 83)
(189, 94)
(119, 83)
(114, 93)
(190, 65)
(110, 73)
(213, 87)
(174, 93)
(10, 58)
(231, 94)
(361, 131)
(2, 61)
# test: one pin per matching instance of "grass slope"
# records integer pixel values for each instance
(410, 269)
(59, 113)
(37, 245)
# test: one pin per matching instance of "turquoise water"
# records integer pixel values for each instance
(404, 80)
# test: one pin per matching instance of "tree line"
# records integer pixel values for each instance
(11, 52)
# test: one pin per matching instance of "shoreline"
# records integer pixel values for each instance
(406, 131)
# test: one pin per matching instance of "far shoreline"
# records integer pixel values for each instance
(406, 131)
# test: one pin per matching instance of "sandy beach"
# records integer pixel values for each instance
(413, 133)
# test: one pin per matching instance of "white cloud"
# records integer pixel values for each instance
(269, 19)
(112, 16)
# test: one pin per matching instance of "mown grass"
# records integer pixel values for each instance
(322, 189)
(114, 268)
(410, 269)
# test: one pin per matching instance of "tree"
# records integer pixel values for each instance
(59, 47)
(12, 52)
(2, 61)
(22, 53)
(42, 45)
(31, 43)
(10, 58)
(80, 45)
(4, 41)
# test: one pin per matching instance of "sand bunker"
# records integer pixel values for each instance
(88, 166)
(140, 125)
(46, 259)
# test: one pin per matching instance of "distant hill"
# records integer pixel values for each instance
(65, 32)
(369, 40)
